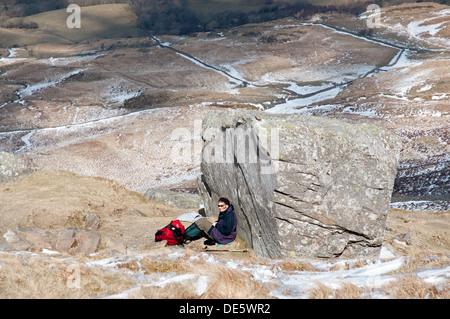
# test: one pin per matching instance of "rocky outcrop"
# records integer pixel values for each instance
(66, 213)
(66, 240)
(82, 241)
(89, 242)
(177, 199)
(303, 186)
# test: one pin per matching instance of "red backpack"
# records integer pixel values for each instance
(172, 233)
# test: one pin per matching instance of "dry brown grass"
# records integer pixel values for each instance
(223, 283)
(149, 266)
(36, 276)
(321, 291)
(295, 265)
(424, 259)
(412, 287)
(40, 277)
(33, 275)
(347, 290)
(227, 283)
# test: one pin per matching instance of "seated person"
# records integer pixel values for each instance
(223, 231)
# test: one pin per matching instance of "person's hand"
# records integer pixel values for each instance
(214, 224)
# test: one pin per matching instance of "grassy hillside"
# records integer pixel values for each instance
(100, 21)
(117, 20)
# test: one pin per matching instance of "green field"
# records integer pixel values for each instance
(100, 21)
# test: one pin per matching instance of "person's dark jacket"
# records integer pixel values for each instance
(225, 230)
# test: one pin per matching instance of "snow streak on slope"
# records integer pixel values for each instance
(425, 31)
(297, 284)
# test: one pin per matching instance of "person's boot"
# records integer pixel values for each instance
(209, 242)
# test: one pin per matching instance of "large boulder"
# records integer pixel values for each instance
(304, 186)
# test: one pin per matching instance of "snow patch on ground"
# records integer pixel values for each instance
(300, 283)
(422, 205)
(286, 284)
(31, 89)
(64, 61)
(424, 31)
(297, 105)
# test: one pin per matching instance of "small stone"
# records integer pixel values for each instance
(117, 245)
(37, 241)
(89, 242)
(66, 240)
(11, 237)
(404, 238)
(388, 226)
(133, 249)
(92, 221)
(21, 245)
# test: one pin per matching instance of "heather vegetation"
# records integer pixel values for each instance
(184, 16)
(187, 16)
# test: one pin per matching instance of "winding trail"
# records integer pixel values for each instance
(293, 95)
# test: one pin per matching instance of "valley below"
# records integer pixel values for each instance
(115, 107)
(117, 114)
